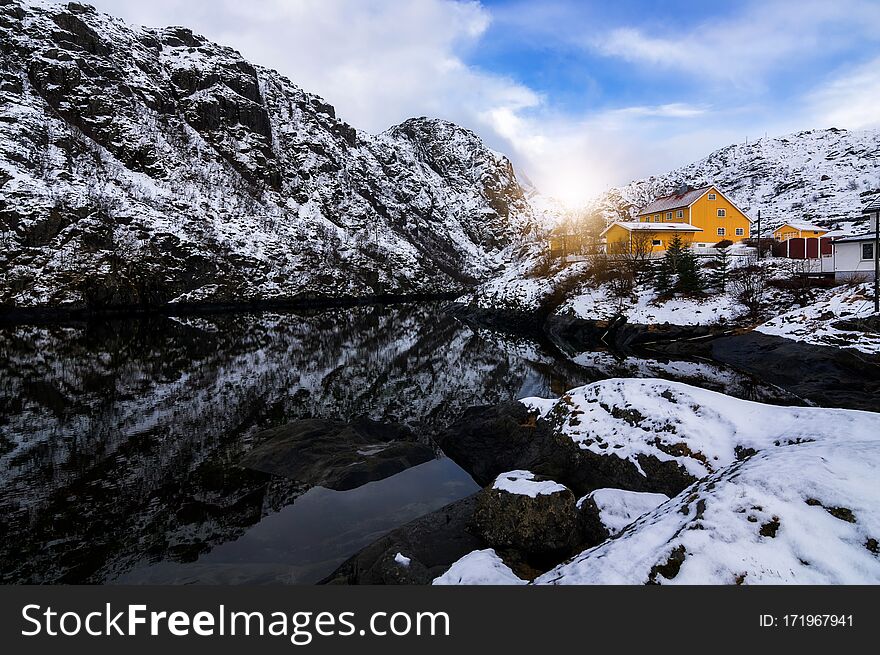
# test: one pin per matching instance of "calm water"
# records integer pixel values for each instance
(120, 442)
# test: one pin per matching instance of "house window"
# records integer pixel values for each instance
(711, 196)
(657, 218)
(721, 231)
(656, 242)
(722, 212)
(740, 231)
(867, 251)
(679, 213)
(668, 216)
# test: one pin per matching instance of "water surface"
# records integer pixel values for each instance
(120, 441)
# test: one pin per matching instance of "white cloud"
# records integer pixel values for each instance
(852, 100)
(378, 62)
(743, 48)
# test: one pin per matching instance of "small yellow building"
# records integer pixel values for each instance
(798, 230)
(642, 238)
(702, 217)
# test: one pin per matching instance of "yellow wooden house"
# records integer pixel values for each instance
(701, 217)
(798, 230)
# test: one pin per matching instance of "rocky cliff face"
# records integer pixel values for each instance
(823, 176)
(151, 166)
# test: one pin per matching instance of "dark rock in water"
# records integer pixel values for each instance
(831, 377)
(545, 524)
(432, 543)
(489, 440)
(336, 454)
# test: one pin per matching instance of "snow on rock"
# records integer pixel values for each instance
(807, 513)
(480, 567)
(815, 323)
(618, 507)
(150, 165)
(402, 559)
(523, 483)
(703, 431)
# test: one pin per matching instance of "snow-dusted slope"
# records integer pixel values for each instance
(803, 514)
(822, 176)
(818, 322)
(698, 429)
(151, 165)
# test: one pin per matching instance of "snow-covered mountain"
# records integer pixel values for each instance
(821, 176)
(151, 165)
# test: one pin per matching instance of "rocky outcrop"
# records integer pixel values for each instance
(149, 166)
(337, 454)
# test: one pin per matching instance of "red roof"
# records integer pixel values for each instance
(675, 201)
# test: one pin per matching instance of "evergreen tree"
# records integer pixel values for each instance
(673, 252)
(663, 276)
(722, 269)
(690, 278)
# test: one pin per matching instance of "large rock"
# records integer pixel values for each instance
(531, 514)
(489, 440)
(336, 454)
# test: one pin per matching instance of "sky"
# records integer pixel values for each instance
(581, 95)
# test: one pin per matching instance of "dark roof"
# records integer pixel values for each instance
(675, 201)
(874, 205)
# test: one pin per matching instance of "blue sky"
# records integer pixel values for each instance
(580, 95)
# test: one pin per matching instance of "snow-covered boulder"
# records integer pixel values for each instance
(481, 567)
(529, 513)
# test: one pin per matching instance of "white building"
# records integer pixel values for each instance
(854, 257)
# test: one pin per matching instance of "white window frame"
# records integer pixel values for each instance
(711, 196)
(721, 213)
(657, 218)
(870, 257)
(740, 231)
(668, 216)
(722, 232)
(679, 213)
(656, 242)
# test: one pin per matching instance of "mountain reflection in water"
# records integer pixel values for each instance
(120, 440)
